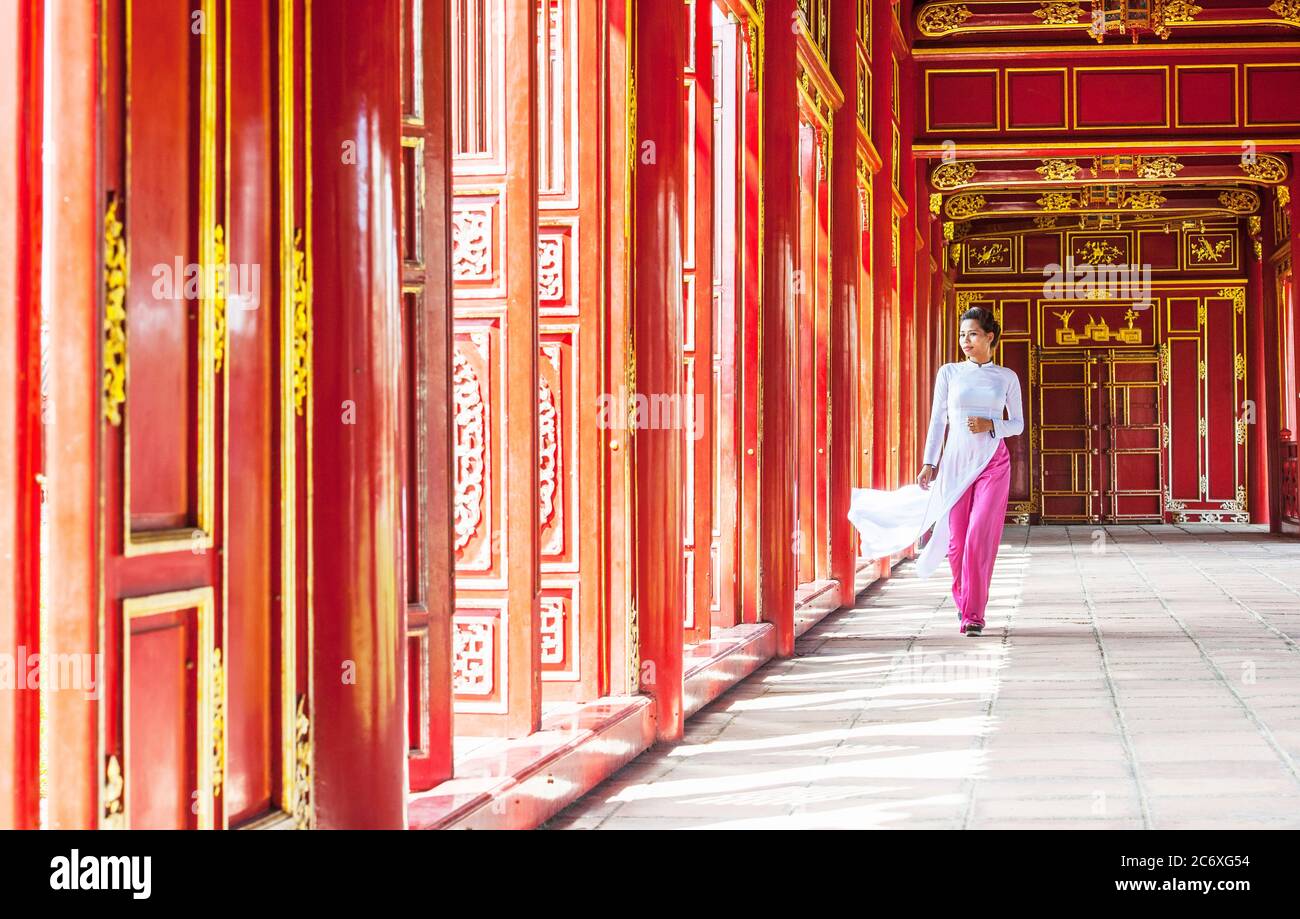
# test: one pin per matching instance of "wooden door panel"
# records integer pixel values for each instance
(167, 668)
(164, 134)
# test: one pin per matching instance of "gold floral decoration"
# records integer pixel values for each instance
(114, 315)
(301, 325)
(1254, 224)
(952, 175)
(1158, 167)
(1239, 201)
(1287, 10)
(217, 294)
(1056, 13)
(1176, 11)
(1264, 167)
(1058, 170)
(1238, 297)
(1144, 200)
(941, 19)
(1044, 221)
(114, 817)
(1057, 201)
(1283, 196)
(936, 203)
(962, 207)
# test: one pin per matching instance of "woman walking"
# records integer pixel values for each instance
(962, 488)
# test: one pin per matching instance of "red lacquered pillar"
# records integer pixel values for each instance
(776, 486)
(359, 764)
(660, 35)
(846, 243)
(20, 430)
(72, 215)
(1257, 391)
(884, 449)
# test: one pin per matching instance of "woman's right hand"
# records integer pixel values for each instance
(926, 476)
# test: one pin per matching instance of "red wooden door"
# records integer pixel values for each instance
(426, 403)
(205, 719)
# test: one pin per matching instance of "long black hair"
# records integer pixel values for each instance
(986, 320)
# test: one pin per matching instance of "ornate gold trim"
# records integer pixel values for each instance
(1054, 170)
(1241, 202)
(113, 817)
(302, 809)
(301, 325)
(1157, 167)
(218, 722)
(218, 295)
(963, 207)
(937, 20)
(1265, 167)
(114, 314)
(1287, 11)
(948, 176)
(1236, 294)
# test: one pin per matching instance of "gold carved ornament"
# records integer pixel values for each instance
(302, 810)
(1044, 222)
(941, 19)
(301, 325)
(1239, 366)
(1264, 168)
(1238, 297)
(1283, 196)
(1259, 250)
(114, 818)
(956, 253)
(1205, 251)
(114, 315)
(1144, 200)
(1287, 11)
(936, 203)
(218, 722)
(218, 297)
(1057, 201)
(1157, 167)
(961, 207)
(948, 176)
(948, 226)
(1058, 170)
(1164, 364)
(1239, 201)
(1254, 224)
(1056, 13)
(1179, 11)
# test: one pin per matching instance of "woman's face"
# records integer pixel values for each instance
(975, 342)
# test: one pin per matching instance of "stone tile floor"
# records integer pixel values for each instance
(1129, 677)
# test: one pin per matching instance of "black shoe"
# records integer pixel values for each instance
(972, 630)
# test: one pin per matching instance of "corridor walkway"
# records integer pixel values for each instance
(1129, 677)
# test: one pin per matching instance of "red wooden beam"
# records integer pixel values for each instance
(659, 32)
(359, 729)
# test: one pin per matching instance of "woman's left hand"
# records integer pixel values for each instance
(979, 425)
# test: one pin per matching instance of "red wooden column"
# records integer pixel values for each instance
(71, 288)
(20, 404)
(883, 257)
(1263, 365)
(358, 655)
(776, 487)
(1257, 380)
(846, 260)
(659, 32)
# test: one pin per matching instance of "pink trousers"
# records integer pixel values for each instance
(975, 523)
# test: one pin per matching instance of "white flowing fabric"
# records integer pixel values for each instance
(890, 521)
